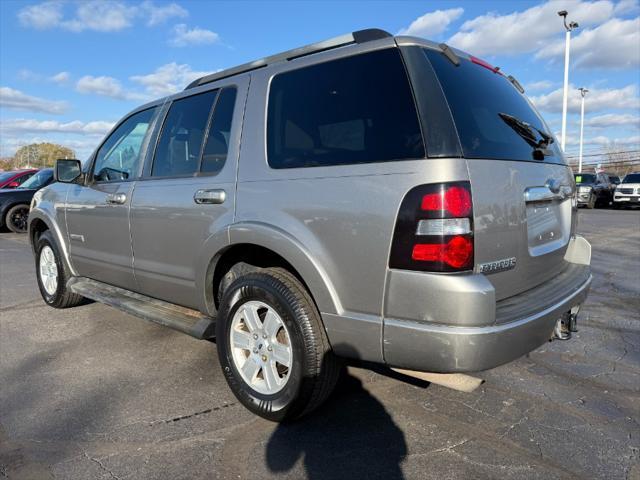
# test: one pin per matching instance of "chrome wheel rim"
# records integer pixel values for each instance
(48, 270)
(261, 347)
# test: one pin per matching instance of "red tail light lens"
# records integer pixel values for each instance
(454, 200)
(434, 229)
(456, 253)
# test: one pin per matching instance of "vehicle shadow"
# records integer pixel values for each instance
(351, 436)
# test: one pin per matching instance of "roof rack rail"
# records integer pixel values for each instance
(361, 36)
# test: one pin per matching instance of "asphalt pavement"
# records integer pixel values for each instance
(92, 393)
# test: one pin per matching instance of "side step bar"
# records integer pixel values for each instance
(167, 314)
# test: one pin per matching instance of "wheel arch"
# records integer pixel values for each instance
(266, 246)
(40, 222)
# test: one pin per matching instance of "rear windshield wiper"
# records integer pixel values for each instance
(528, 133)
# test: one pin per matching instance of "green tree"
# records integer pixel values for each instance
(41, 154)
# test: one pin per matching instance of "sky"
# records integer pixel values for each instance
(70, 69)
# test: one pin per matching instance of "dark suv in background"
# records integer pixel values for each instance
(593, 189)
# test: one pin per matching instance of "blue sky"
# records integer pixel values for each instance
(70, 69)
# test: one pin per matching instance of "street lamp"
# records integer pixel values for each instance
(568, 27)
(583, 93)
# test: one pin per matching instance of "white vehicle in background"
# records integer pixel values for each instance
(628, 192)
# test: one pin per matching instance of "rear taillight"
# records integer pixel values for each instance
(434, 229)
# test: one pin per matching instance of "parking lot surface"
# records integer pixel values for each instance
(92, 393)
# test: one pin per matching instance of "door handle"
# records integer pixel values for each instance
(209, 196)
(116, 198)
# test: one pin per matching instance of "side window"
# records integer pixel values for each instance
(217, 146)
(119, 157)
(24, 178)
(357, 109)
(180, 144)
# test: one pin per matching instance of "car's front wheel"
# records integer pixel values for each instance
(52, 274)
(272, 346)
(17, 218)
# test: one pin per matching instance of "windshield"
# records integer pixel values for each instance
(493, 119)
(38, 180)
(632, 178)
(585, 178)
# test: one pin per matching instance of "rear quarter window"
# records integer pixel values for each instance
(357, 109)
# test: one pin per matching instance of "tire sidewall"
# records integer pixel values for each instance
(274, 407)
(46, 240)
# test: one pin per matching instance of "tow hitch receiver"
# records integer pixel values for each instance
(566, 325)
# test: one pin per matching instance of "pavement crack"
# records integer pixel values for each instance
(450, 448)
(194, 414)
(524, 418)
(101, 465)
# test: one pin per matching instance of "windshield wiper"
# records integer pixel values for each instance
(528, 134)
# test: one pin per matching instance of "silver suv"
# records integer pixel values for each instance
(373, 197)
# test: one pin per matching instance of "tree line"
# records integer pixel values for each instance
(36, 155)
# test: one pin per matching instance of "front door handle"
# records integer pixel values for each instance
(116, 198)
(210, 196)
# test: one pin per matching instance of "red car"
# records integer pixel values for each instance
(15, 178)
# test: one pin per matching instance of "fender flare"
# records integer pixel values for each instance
(57, 234)
(278, 241)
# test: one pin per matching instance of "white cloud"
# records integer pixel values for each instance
(537, 86)
(106, 87)
(41, 16)
(183, 36)
(626, 7)
(432, 23)
(60, 78)
(596, 100)
(168, 79)
(160, 14)
(614, 44)
(22, 125)
(101, 16)
(97, 15)
(16, 100)
(528, 30)
(613, 120)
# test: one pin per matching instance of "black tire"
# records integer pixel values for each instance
(314, 370)
(62, 297)
(17, 218)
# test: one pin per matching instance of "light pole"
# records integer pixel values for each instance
(583, 93)
(568, 27)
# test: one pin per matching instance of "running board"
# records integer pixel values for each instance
(153, 310)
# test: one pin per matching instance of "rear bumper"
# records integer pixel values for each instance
(520, 325)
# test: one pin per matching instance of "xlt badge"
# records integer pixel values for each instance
(497, 266)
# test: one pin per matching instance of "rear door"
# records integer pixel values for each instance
(188, 191)
(522, 190)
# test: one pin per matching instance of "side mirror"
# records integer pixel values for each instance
(13, 185)
(68, 171)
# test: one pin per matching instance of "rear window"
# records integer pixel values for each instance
(352, 110)
(632, 178)
(484, 105)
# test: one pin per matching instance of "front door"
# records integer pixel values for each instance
(98, 211)
(187, 193)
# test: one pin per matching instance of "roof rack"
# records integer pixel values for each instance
(361, 36)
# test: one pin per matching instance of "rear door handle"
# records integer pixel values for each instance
(210, 196)
(116, 198)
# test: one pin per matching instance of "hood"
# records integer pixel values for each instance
(15, 190)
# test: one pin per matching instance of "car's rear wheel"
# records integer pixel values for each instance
(52, 274)
(272, 346)
(17, 218)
